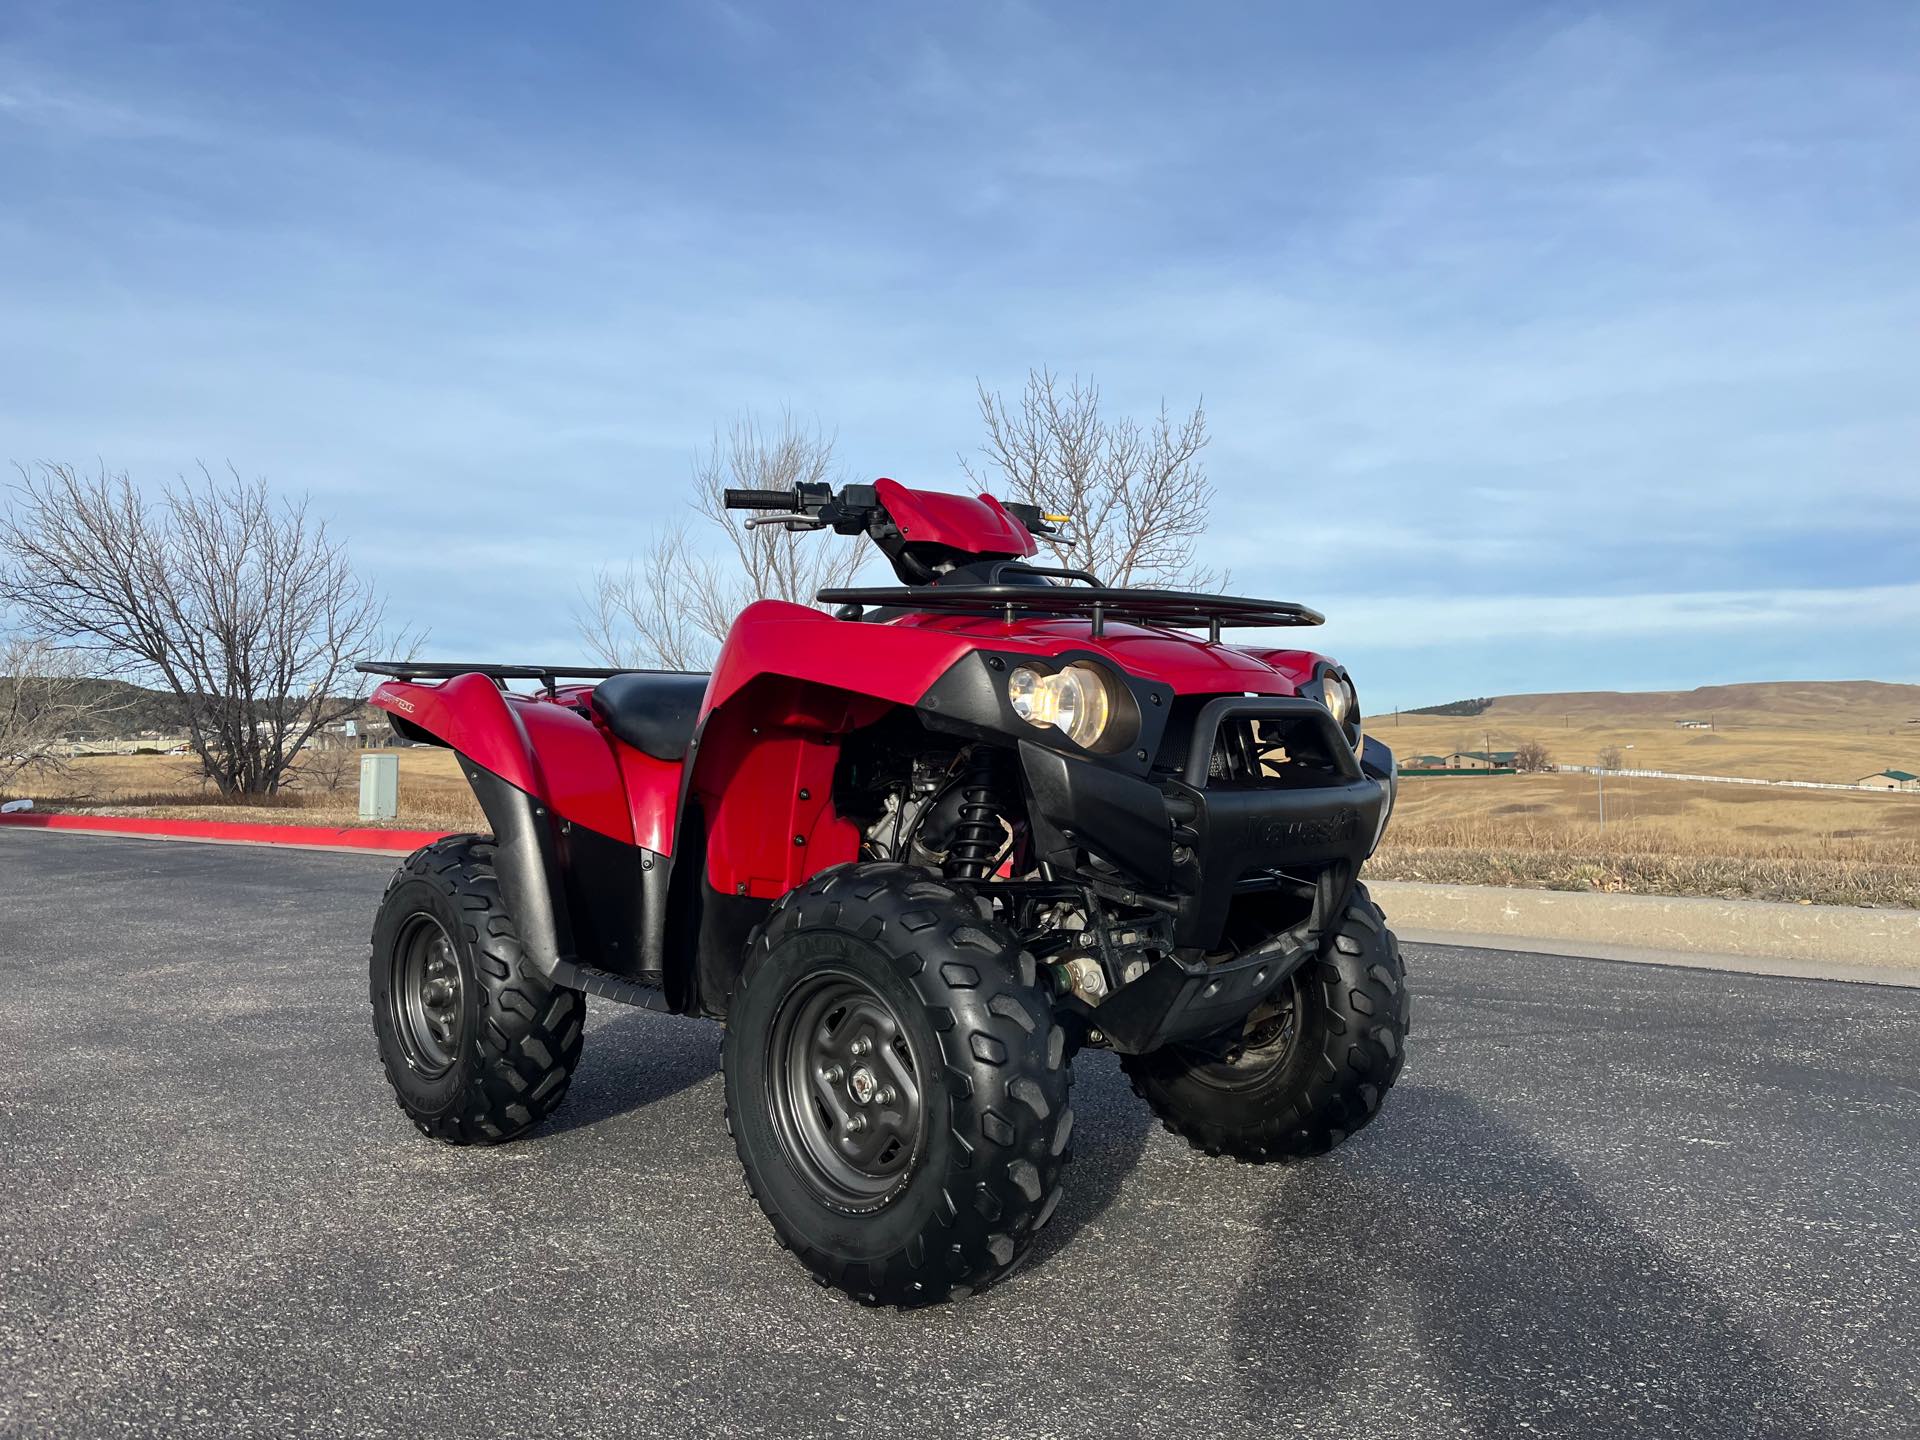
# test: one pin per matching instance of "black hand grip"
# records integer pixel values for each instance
(762, 500)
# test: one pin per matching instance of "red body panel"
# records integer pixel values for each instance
(898, 661)
(653, 796)
(979, 526)
(1296, 665)
(1187, 665)
(887, 662)
(764, 782)
(548, 750)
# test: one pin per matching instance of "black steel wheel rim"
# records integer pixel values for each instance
(844, 1090)
(1271, 1036)
(428, 997)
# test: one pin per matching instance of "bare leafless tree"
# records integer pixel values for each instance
(1610, 758)
(1137, 495)
(1532, 757)
(245, 609)
(327, 767)
(43, 696)
(673, 607)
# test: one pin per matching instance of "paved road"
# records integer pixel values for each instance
(1605, 1199)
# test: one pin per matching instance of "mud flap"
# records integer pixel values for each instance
(581, 899)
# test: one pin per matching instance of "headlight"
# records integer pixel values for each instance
(1339, 699)
(1073, 700)
(1343, 703)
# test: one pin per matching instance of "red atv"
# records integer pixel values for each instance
(915, 854)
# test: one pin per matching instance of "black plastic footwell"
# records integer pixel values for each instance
(611, 987)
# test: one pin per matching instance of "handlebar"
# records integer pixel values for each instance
(762, 499)
(851, 510)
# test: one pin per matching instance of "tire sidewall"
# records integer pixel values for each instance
(426, 1096)
(1348, 1049)
(857, 1236)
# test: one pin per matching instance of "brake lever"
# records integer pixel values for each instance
(789, 522)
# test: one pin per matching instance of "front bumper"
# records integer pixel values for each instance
(1198, 844)
(1189, 847)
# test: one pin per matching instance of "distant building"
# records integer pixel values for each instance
(1482, 760)
(1693, 724)
(1424, 762)
(1890, 780)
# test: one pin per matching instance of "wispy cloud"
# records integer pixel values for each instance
(1437, 622)
(1571, 328)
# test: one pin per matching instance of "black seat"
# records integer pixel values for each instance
(652, 712)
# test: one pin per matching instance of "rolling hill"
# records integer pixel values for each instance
(1870, 704)
(1834, 730)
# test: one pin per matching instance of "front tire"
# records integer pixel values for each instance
(895, 1085)
(478, 1045)
(1307, 1075)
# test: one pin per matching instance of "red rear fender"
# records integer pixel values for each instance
(552, 752)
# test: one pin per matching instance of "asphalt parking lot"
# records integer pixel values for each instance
(1605, 1199)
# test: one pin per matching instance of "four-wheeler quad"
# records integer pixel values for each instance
(914, 854)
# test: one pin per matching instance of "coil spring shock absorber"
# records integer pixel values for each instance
(977, 835)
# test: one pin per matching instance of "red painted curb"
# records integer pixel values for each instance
(230, 832)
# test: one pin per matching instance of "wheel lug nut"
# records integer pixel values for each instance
(862, 1045)
(833, 1074)
(856, 1123)
(886, 1095)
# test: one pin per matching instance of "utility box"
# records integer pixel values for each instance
(379, 787)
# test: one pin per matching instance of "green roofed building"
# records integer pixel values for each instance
(1482, 760)
(1890, 780)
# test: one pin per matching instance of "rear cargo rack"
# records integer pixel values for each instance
(1180, 609)
(547, 675)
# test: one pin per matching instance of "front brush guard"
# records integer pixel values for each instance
(1186, 845)
(1194, 841)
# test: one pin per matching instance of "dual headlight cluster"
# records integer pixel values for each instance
(1077, 701)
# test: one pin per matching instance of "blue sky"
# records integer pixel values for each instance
(1544, 347)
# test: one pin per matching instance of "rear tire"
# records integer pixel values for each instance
(1308, 1077)
(895, 1085)
(478, 1045)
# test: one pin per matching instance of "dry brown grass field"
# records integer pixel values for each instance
(433, 793)
(1661, 836)
(1668, 836)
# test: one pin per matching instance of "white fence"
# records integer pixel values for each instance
(1729, 780)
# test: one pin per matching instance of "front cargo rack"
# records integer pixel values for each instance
(1179, 609)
